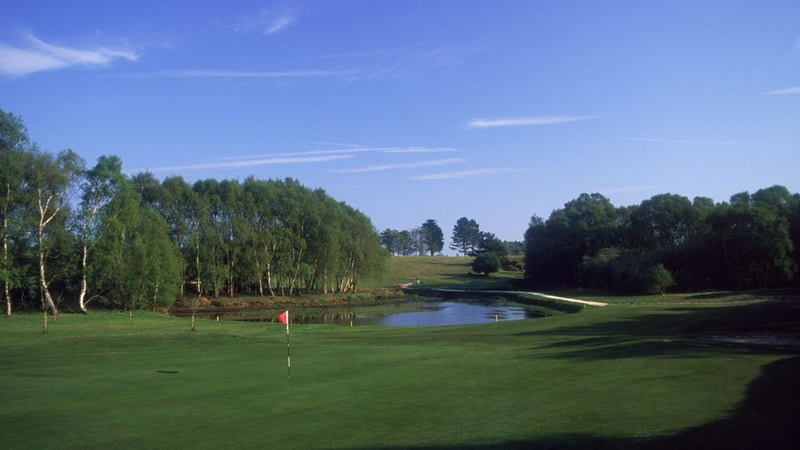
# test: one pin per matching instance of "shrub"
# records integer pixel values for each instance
(486, 263)
(658, 279)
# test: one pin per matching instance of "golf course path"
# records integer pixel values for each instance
(564, 299)
(538, 294)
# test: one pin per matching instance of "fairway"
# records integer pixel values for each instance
(617, 377)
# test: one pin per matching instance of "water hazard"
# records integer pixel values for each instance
(403, 314)
(450, 313)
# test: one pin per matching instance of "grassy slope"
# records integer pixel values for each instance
(616, 377)
(439, 271)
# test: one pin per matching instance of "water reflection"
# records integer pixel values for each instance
(450, 313)
(404, 314)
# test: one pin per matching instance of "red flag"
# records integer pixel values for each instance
(284, 318)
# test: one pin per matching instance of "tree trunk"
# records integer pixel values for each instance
(269, 281)
(6, 287)
(155, 297)
(47, 300)
(6, 282)
(258, 273)
(231, 289)
(269, 271)
(296, 272)
(82, 295)
(197, 263)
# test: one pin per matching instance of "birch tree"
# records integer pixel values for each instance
(100, 185)
(14, 159)
(50, 179)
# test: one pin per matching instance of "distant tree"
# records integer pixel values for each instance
(556, 248)
(416, 242)
(405, 243)
(514, 248)
(664, 220)
(466, 236)
(489, 243)
(537, 252)
(486, 263)
(390, 240)
(658, 279)
(777, 198)
(751, 245)
(432, 237)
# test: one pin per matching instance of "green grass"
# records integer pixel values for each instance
(624, 376)
(440, 272)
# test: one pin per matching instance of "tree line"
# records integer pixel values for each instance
(750, 242)
(428, 238)
(72, 235)
(466, 239)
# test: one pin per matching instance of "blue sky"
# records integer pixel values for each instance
(416, 110)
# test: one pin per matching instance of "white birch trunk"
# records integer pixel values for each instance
(6, 287)
(47, 300)
(82, 295)
(269, 281)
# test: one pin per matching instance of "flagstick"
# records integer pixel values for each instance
(288, 348)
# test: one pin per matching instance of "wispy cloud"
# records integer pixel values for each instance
(314, 156)
(413, 165)
(36, 55)
(400, 63)
(689, 141)
(251, 163)
(418, 150)
(268, 21)
(526, 121)
(202, 73)
(788, 91)
(465, 174)
(349, 150)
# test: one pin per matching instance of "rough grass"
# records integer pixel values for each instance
(617, 377)
(440, 272)
(447, 272)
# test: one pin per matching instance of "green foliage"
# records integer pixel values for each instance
(135, 266)
(489, 243)
(658, 279)
(432, 237)
(466, 236)
(15, 160)
(514, 248)
(137, 242)
(751, 242)
(486, 263)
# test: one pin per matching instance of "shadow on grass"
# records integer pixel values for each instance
(711, 295)
(765, 419)
(670, 330)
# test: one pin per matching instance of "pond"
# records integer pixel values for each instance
(448, 313)
(404, 314)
